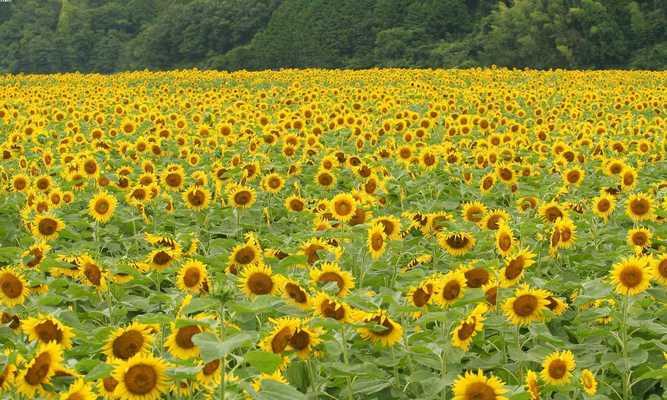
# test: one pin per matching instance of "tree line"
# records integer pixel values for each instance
(116, 35)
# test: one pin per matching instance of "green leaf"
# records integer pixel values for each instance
(101, 370)
(272, 390)
(264, 361)
(200, 304)
(211, 348)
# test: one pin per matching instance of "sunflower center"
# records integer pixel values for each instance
(639, 239)
(192, 277)
(476, 277)
(553, 213)
(47, 226)
(128, 344)
(505, 174)
(505, 242)
(47, 331)
(487, 183)
(566, 234)
(332, 277)
(474, 215)
(491, 295)
(296, 205)
(514, 268)
(343, 207)
(161, 258)
(329, 310)
(451, 290)
(377, 241)
(280, 340)
(420, 297)
(631, 276)
(573, 176)
(479, 391)
(140, 379)
(588, 382)
(42, 184)
(274, 183)
(493, 222)
(211, 367)
(93, 274)
(173, 179)
(388, 327)
(12, 286)
(39, 369)
(557, 369)
(603, 205)
(300, 340)
(555, 237)
(457, 241)
(525, 305)
(628, 179)
(639, 207)
(245, 255)
(109, 384)
(184, 336)
(295, 292)
(243, 197)
(260, 283)
(388, 226)
(466, 330)
(662, 268)
(20, 184)
(196, 198)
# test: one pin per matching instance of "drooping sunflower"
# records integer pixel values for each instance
(504, 240)
(278, 339)
(526, 306)
(391, 226)
(639, 207)
(197, 198)
(449, 288)
(456, 243)
(79, 390)
(13, 287)
(102, 206)
(532, 385)
(327, 307)
(474, 211)
(589, 383)
(91, 273)
(179, 342)
(603, 205)
(487, 183)
(125, 343)
(419, 296)
(47, 227)
(241, 196)
(388, 332)
(631, 275)
(209, 375)
(36, 252)
(294, 293)
(39, 370)
(557, 368)
(258, 279)
(331, 272)
(463, 334)
(659, 269)
(312, 248)
(192, 276)
(476, 386)
(639, 238)
(343, 207)
(46, 329)
(563, 234)
(142, 377)
(377, 241)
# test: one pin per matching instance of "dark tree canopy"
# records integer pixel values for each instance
(115, 35)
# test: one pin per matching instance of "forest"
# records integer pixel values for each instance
(42, 36)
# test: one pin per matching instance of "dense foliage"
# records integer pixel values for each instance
(114, 35)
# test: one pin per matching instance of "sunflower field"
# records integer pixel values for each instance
(307, 234)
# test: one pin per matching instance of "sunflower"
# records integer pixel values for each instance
(142, 377)
(474, 211)
(47, 227)
(463, 334)
(20, 183)
(258, 279)
(573, 176)
(603, 205)
(343, 207)
(160, 259)
(493, 219)
(419, 296)
(304, 339)
(138, 196)
(387, 331)
(294, 293)
(589, 383)
(504, 240)
(39, 370)
(331, 272)
(192, 276)
(327, 307)
(13, 287)
(476, 277)
(91, 273)
(79, 390)
(295, 203)
(532, 385)
(659, 269)
(628, 178)
(243, 255)
(36, 254)
(456, 243)
(312, 248)
(391, 226)
(515, 264)
(526, 306)
(241, 197)
(210, 373)
(557, 368)
(46, 329)
(614, 167)
(325, 179)
(7, 373)
(449, 288)
(276, 377)
(631, 276)
(639, 238)
(552, 211)
(505, 174)
(471, 386)
(101, 207)
(377, 241)
(487, 182)
(125, 343)
(639, 207)
(179, 342)
(173, 178)
(563, 234)
(196, 198)
(273, 183)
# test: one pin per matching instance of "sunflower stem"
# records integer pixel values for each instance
(443, 364)
(223, 362)
(343, 346)
(624, 338)
(519, 351)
